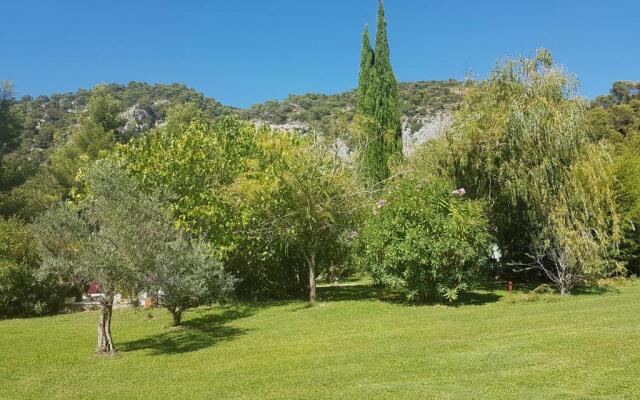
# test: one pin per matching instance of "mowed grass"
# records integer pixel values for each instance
(353, 345)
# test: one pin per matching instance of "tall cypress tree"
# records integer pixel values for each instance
(385, 92)
(377, 100)
(366, 64)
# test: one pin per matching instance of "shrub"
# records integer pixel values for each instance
(21, 292)
(425, 239)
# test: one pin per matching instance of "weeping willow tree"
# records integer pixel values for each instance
(520, 139)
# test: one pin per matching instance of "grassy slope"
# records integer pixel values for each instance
(353, 346)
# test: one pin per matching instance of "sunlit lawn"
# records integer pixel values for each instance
(355, 344)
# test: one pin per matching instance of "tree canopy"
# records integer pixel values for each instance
(521, 140)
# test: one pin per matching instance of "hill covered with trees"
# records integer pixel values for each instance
(419, 101)
(46, 121)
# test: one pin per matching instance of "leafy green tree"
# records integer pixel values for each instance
(324, 199)
(183, 114)
(16, 168)
(426, 239)
(198, 163)
(33, 197)
(95, 133)
(258, 196)
(103, 109)
(521, 140)
(615, 118)
(193, 161)
(366, 64)
(85, 145)
(384, 92)
(302, 198)
(628, 175)
(21, 292)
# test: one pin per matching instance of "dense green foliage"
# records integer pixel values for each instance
(110, 237)
(22, 292)
(377, 101)
(33, 197)
(616, 119)
(364, 75)
(39, 187)
(96, 132)
(270, 202)
(522, 141)
(298, 198)
(425, 240)
(35, 129)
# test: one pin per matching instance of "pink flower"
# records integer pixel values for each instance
(459, 192)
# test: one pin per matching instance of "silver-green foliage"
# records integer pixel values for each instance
(186, 274)
(124, 240)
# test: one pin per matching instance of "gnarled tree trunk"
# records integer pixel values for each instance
(176, 313)
(105, 342)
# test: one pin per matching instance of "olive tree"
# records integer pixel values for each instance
(111, 237)
(187, 275)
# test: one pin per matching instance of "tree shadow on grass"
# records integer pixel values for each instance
(351, 292)
(195, 334)
(595, 290)
(366, 291)
(476, 298)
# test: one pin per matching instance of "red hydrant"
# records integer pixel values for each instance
(510, 286)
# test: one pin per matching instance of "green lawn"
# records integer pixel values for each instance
(353, 345)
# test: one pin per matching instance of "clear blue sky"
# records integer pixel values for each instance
(247, 51)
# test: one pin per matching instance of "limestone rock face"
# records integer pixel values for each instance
(294, 126)
(431, 127)
(138, 119)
